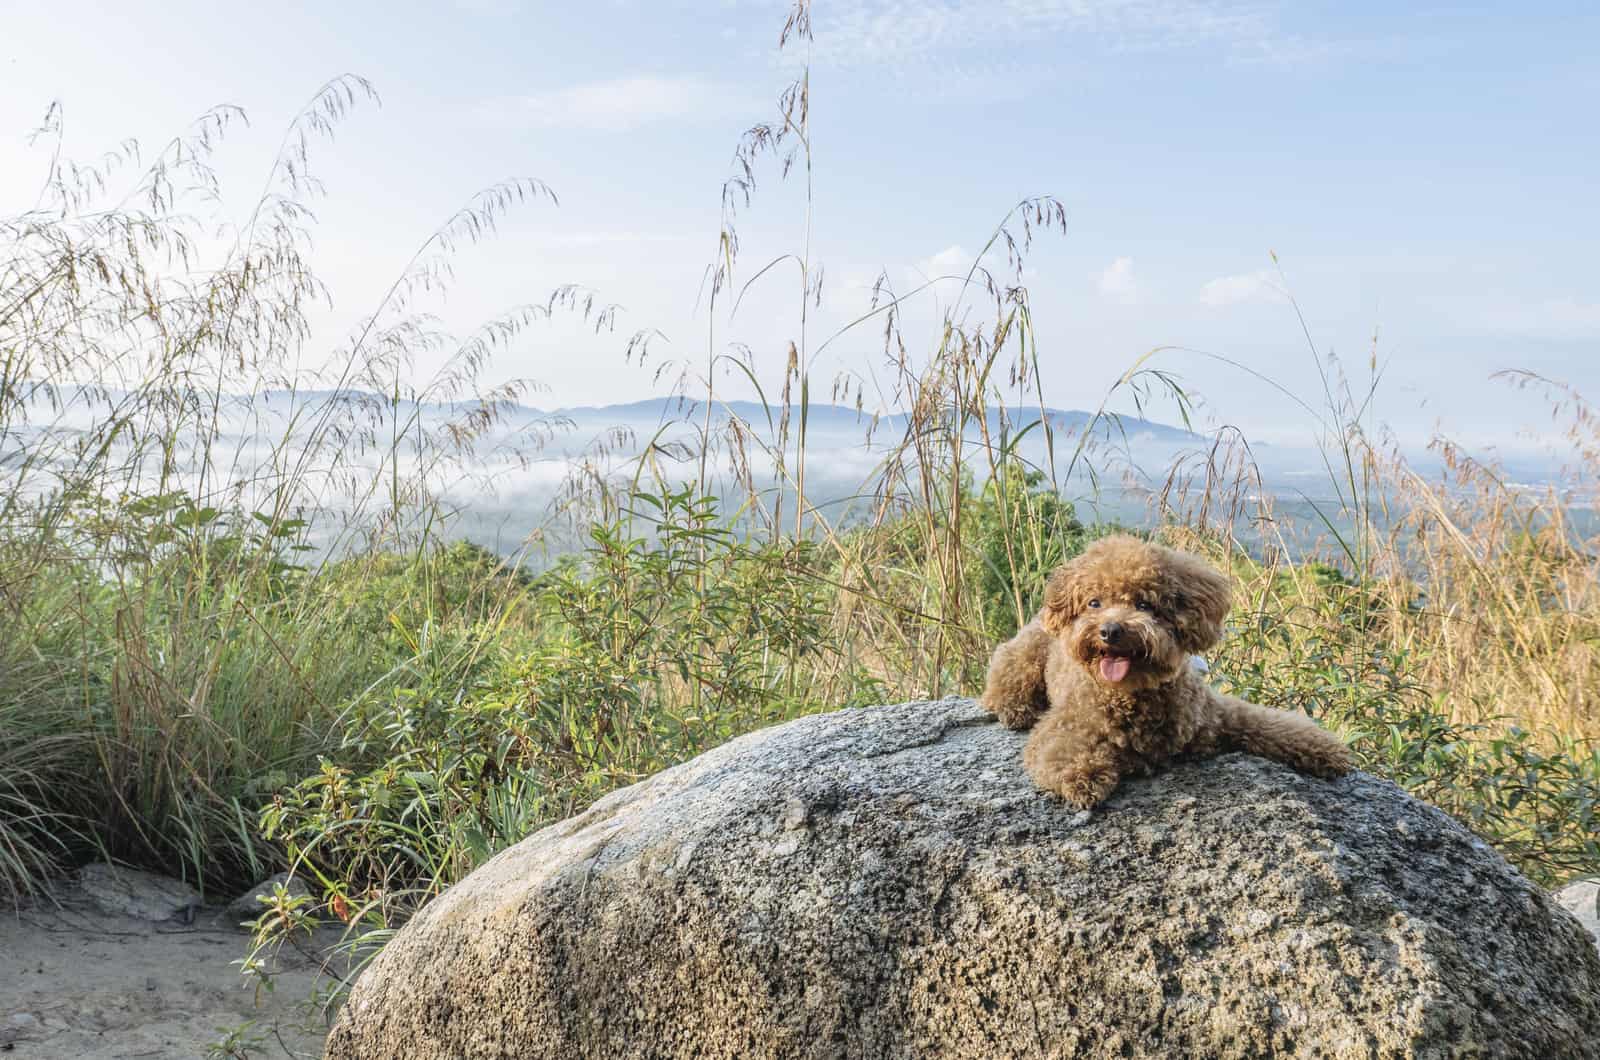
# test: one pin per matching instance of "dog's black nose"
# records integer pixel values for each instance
(1111, 632)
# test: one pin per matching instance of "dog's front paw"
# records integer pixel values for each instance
(1011, 715)
(1085, 791)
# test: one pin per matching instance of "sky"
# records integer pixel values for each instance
(1424, 175)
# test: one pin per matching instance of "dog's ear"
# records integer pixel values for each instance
(1200, 597)
(1063, 597)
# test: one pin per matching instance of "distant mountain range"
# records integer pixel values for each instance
(839, 417)
(821, 418)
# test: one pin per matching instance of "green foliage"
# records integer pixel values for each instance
(692, 615)
(381, 595)
(650, 648)
(1538, 805)
(149, 717)
(402, 802)
(38, 831)
(1537, 802)
(1022, 530)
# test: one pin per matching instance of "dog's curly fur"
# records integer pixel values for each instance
(1104, 670)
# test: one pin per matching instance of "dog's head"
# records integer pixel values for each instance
(1132, 613)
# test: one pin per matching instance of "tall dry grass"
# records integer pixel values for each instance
(1488, 587)
(173, 479)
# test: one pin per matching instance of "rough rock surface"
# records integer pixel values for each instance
(120, 891)
(887, 883)
(1582, 900)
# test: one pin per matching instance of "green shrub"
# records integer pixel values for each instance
(1536, 801)
(650, 648)
(1022, 530)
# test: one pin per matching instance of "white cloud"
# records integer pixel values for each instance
(1117, 282)
(855, 277)
(1233, 290)
(949, 260)
(949, 265)
(617, 105)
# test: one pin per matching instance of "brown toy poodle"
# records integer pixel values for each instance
(1105, 671)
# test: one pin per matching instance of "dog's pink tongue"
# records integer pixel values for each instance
(1113, 667)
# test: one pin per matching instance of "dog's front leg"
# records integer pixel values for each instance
(1014, 690)
(1082, 769)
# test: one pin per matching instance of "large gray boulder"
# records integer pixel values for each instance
(1581, 898)
(888, 883)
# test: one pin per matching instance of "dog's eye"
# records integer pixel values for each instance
(1095, 602)
(1144, 605)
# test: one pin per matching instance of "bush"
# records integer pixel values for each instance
(1536, 801)
(649, 648)
(1022, 530)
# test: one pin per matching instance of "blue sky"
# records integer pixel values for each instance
(1425, 173)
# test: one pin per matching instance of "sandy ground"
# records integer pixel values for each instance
(78, 984)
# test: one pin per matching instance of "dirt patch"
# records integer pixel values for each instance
(82, 983)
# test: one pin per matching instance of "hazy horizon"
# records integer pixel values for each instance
(515, 490)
